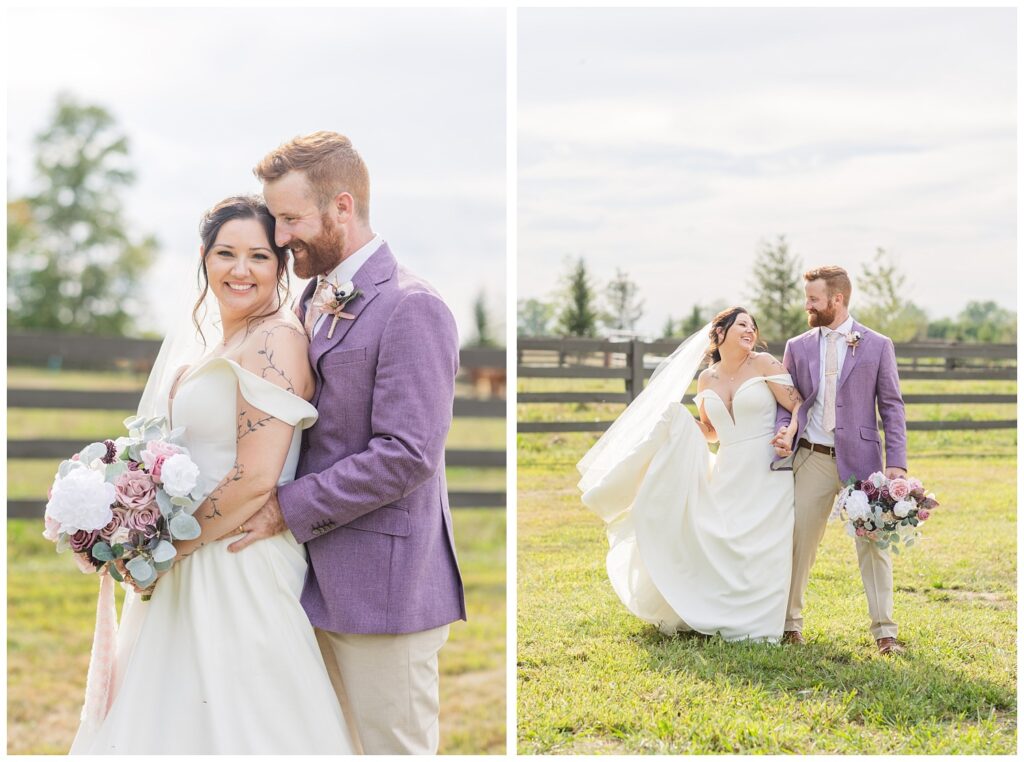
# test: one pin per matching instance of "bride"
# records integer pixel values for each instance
(222, 659)
(701, 541)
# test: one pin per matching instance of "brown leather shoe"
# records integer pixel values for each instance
(793, 638)
(890, 646)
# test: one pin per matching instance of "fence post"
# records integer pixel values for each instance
(635, 384)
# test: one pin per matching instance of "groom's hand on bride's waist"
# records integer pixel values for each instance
(266, 522)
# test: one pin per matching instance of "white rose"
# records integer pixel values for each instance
(121, 536)
(81, 500)
(857, 506)
(179, 475)
(903, 507)
(878, 479)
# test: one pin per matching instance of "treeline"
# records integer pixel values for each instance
(775, 294)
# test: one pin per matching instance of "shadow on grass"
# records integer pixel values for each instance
(894, 691)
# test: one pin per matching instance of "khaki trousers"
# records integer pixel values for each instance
(387, 686)
(816, 486)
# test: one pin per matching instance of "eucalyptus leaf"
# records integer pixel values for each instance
(183, 526)
(117, 550)
(153, 432)
(114, 470)
(914, 522)
(163, 502)
(91, 452)
(164, 552)
(142, 571)
(101, 552)
(133, 422)
(115, 573)
(63, 543)
(184, 502)
(162, 566)
(896, 548)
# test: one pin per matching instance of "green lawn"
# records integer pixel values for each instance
(592, 679)
(51, 606)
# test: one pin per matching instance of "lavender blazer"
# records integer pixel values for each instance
(370, 499)
(869, 379)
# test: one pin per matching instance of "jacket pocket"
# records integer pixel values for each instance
(393, 521)
(344, 357)
(869, 433)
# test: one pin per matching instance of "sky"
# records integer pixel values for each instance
(203, 94)
(671, 143)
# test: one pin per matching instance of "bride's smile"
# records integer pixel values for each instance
(242, 269)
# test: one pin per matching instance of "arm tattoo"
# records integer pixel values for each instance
(270, 369)
(247, 426)
(794, 396)
(236, 473)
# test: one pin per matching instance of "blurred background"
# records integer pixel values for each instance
(123, 127)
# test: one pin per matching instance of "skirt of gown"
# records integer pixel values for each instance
(700, 541)
(222, 660)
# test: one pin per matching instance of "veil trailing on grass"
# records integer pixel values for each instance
(183, 345)
(669, 383)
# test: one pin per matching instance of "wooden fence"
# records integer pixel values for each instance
(66, 351)
(634, 361)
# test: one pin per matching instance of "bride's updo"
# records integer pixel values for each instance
(723, 321)
(238, 208)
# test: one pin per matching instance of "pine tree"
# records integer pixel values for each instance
(624, 308)
(72, 265)
(578, 316)
(778, 295)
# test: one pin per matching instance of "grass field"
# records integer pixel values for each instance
(51, 606)
(595, 680)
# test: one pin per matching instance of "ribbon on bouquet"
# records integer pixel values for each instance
(99, 683)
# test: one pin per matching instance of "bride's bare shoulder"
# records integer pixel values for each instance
(278, 350)
(704, 379)
(767, 364)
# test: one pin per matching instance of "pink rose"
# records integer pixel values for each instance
(915, 483)
(120, 519)
(922, 514)
(144, 519)
(52, 531)
(870, 490)
(899, 489)
(83, 540)
(84, 564)
(135, 489)
(156, 452)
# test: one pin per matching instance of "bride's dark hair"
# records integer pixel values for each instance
(724, 320)
(238, 208)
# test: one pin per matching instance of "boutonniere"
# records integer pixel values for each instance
(852, 341)
(331, 300)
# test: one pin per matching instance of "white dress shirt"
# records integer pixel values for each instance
(815, 431)
(348, 268)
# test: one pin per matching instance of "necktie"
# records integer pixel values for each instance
(831, 377)
(313, 311)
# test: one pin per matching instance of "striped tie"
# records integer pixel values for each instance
(831, 377)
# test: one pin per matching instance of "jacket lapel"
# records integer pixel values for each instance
(851, 355)
(378, 269)
(813, 359)
(307, 294)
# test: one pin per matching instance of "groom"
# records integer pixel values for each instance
(844, 371)
(369, 499)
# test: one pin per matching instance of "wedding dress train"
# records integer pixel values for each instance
(700, 541)
(223, 659)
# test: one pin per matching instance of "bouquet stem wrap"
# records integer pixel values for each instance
(99, 683)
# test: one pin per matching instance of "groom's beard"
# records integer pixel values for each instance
(816, 318)
(322, 254)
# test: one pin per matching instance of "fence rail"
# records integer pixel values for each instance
(66, 351)
(634, 361)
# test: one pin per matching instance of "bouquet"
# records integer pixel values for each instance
(886, 511)
(125, 500)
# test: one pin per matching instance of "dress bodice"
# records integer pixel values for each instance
(753, 409)
(206, 406)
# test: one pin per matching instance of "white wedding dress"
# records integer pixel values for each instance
(223, 659)
(700, 541)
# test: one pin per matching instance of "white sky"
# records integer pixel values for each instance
(671, 142)
(203, 94)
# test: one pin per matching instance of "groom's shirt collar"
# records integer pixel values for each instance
(349, 266)
(845, 328)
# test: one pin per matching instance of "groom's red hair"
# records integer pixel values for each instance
(331, 166)
(837, 281)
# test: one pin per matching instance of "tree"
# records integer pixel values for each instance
(578, 316)
(482, 322)
(887, 307)
(534, 317)
(669, 329)
(987, 321)
(72, 265)
(694, 322)
(624, 308)
(778, 295)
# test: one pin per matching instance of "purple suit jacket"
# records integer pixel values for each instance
(370, 499)
(869, 379)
